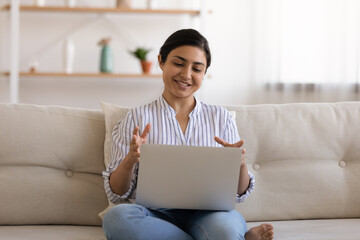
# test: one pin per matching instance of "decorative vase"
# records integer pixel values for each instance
(69, 51)
(106, 62)
(146, 66)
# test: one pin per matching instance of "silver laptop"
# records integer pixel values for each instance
(187, 177)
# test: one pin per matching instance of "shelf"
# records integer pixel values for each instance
(102, 10)
(15, 10)
(97, 75)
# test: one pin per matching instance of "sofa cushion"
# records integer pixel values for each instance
(305, 158)
(113, 114)
(50, 165)
(325, 229)
(46, 232)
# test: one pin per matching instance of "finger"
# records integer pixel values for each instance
(226, 144)
(134, 144)
(238, 144)
(136, 130)
(146, 131)
(243, 151)
(221, 141)
(133, 140)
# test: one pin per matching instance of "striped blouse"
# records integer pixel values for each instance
(205, 122)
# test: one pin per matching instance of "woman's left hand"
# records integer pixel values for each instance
(244, 178)
(238, 144)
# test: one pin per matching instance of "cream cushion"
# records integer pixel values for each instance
(324, 229)
(51, 160)
(113, 114)
(51, 232)
(305, 158)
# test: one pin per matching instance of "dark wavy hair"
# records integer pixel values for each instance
(185, 37)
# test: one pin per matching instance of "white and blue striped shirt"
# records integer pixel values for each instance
(205, 122)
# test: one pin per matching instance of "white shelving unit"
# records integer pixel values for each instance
(15, 10)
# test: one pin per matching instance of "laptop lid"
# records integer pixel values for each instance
(188, 177)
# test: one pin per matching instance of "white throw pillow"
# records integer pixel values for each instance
(233, 114)
(113, 114)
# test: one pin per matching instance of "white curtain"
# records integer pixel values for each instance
(305, 50)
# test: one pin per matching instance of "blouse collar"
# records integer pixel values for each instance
(165, 105)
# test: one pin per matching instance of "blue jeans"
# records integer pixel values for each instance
(135, 222)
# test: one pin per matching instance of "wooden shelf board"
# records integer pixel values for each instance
(103, 10)
(97, 75)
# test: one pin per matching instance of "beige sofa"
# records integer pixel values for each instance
(305, 157)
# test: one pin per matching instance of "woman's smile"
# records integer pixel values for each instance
(182, 84)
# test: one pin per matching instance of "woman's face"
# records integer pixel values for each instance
(183, 71)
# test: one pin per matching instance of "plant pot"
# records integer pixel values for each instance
(146, 66)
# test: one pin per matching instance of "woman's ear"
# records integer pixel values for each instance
(160, 62)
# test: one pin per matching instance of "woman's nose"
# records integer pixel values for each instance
(186, 73)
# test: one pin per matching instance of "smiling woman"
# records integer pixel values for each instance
(184, 59)
(176, 118)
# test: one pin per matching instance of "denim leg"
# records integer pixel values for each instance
(211, 225)
(135, 222)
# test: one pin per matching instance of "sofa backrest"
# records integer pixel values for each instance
(305, 158)
(51, 159)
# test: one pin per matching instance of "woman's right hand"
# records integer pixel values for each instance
(120, 178)
(136, 142)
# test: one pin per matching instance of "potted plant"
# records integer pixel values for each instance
(141, 54)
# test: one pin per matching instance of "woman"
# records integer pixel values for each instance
(176, 118)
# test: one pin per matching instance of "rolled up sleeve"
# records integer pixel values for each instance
(112, 196)
(241, 198)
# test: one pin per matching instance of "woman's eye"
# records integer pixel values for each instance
(178, 64)
(197, 70)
